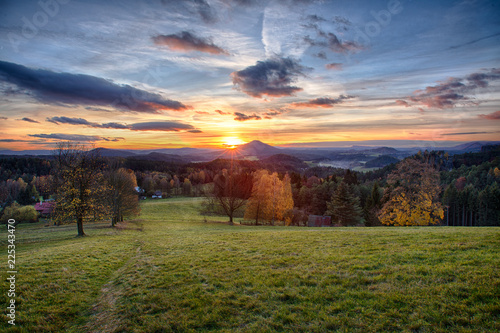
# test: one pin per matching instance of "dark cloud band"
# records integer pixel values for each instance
(323, 102)
(80, 89)
(74, 137)
(165, 126)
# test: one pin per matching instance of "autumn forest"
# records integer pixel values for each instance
(428, 188)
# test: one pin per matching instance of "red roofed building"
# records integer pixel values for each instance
(45, 208)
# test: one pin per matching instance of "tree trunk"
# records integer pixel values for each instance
(231, 219)
(79, 224)
(257, 215)
(463, 215)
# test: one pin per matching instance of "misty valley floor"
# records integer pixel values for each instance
(170, 271)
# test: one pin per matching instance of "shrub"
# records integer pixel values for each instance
(19, 213)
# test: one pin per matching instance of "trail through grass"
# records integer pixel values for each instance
(169, 271)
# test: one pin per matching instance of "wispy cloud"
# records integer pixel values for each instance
(402, 103)
(491, 116)
(185, 41)
(222, 112)
(451, 92)
(243, 117)
(328, 40)
(29, 120)
(474, 41)
(468, 133)
(272, 77)
(334, 66)
(322, 102)
(273, 113)
(80, 89)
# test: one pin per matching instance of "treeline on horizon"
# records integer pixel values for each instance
(465, 185)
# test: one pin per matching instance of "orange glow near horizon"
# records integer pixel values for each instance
(232, 142)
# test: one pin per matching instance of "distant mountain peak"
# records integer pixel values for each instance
(257, 143)
(258, 148)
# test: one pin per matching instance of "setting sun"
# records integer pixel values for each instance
(232, 142)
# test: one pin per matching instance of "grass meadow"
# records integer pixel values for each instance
(170, 271)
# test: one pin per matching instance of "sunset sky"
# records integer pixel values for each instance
(200, 73)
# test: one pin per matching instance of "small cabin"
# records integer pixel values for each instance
(45, 208)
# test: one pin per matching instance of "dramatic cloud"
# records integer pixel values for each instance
(29, 120)
(79, 89)
(271, 77)
(243, 117)
(166, 126)
(453, 91)
(492, 116)
(185, 41)
(74, 137)
(323, 102)
(163, 126)
(334, 66)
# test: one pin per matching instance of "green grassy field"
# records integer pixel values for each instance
(170, 271)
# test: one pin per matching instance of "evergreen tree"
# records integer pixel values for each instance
(372, 206)
(344, 206)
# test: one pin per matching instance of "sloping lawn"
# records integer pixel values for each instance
(169, 271)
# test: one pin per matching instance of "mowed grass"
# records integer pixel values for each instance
(170, 271)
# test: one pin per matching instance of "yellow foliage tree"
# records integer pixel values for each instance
(271, 198)
(259, 198)
(81, 187)
(412, 195)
